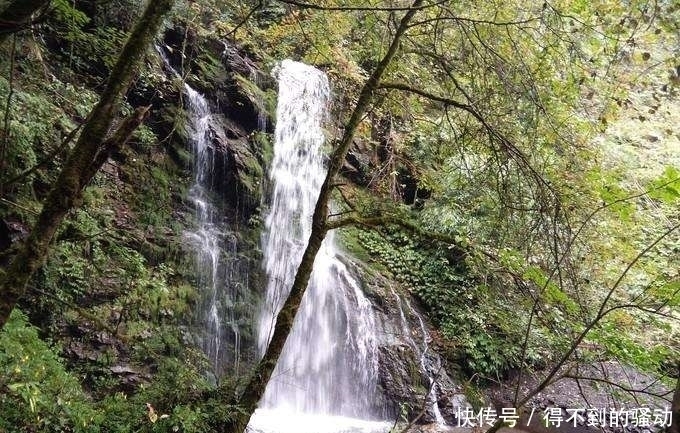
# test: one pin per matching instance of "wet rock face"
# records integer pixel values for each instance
(237, 171)
(227, 77)
(412, 376)
(404, 385)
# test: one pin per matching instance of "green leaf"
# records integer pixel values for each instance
(667, 187)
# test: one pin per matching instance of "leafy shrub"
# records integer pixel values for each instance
(460, 306)
(38, 394)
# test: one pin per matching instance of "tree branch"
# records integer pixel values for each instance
(602, 312)
(305, 5)
(66, 193)
(246, 18)
(629, 390)
(119, 138)
(492, 132)
(4, 145)
(50, 157)
(446, 101)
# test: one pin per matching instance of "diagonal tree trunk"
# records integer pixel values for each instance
(675, 406)
(284, 321)
(88, 155)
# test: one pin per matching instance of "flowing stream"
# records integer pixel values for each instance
(326, 377)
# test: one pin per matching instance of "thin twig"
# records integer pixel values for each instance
(8, 103)
(245, 20)
(629, 390)
(25, 209)
(304, 5)
(50, 157)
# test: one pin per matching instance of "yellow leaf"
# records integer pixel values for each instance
(153, 416)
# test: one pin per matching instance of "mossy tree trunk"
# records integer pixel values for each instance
(89, 153)
(284, 321)
(16, 14)
(675, 406)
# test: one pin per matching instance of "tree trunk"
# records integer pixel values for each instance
(17, 14)
(86, 158)
(675, 406)
(284, 321)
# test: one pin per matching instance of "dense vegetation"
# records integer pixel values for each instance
(514, 166)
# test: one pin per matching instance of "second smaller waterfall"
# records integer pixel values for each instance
(421, 349)
(221, 274)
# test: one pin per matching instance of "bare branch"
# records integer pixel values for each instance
(305, 5)
(245, 19)
(446, 101)
(593, 323)
(631, 391)
(476, 21)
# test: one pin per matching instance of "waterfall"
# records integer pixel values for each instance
(326, 379)
(217, 269)
(422, 350)
(221, 277)
(206, 237)
(329, 363)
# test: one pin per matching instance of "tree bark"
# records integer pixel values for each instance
(675, 406)
(17, 14)
(284, 321)
(88, 155)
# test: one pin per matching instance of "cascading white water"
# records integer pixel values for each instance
(326, 377)
(220, 275)
(422, 350)
(206, 237)
(329, 363)
(222, 278)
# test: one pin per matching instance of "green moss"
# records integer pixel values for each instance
(211, 70)
(349, 237)
(264, 100)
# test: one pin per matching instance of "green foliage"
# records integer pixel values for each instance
(667, 187)
(36, 125)
(67, 14)
(625, 348)
(144, 138)
(114, 291)
(89, 47)
(40, 395)
(487, 341)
